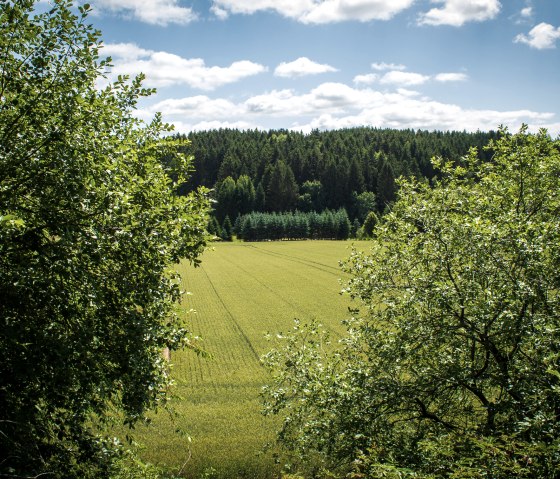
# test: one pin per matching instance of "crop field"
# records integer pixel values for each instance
(241, 292)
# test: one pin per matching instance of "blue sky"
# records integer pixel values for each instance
(304, 64)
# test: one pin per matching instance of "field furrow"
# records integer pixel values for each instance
(241, 292)
(312, 264)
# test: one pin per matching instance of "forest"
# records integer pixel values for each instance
(284, 171)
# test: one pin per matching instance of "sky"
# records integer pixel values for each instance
(328, 64)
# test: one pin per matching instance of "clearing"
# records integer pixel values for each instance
(241, 292)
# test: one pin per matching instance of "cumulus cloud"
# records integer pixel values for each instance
(186, 127)
(540, 37)
(328, 97)
(403, 78)
(450, 77)
(458, 12)
(156, 12)
(387, 66)
(124, 51)
(336, 105)
(366, 79)
(319, 11)
(404, 109)
(301, 67)
(199, 106)
(219, 12)
(167, 69)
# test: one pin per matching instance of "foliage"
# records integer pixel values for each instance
(312, 197)
(386, 186)
(296, 225)
(282, 192)
(452, 369)
(363, 204)
(369, 224)
(234, 197)
(245, 195)
(330, 168)
(214, 227)
(227, 230)
(226, 194)
(90, 223)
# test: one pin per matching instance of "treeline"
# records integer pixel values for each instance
(280, 171)
(257, 226)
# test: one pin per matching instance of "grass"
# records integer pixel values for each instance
(241, 292)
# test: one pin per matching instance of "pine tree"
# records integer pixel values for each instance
(227, 229)
(386, 188)
(282, 193)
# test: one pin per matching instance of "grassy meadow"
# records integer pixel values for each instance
(239, 293)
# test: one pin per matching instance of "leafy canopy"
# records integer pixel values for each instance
(90, 224)
(452, 367)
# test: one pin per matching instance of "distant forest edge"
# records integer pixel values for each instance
(280, 171)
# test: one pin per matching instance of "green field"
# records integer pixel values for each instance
(240, 292)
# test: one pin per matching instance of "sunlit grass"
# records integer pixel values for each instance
(240, 292)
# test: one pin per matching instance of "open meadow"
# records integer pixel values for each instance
(241, 292)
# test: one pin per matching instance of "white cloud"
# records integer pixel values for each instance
(331, 97)
(157, 12)
(406, 92)
(401, 110)
(183, 127)
(523, 16)
(166, 69)
(458, 12)
(320, 11)
(124, 51)
(397, 77)
(336, 105)
(387, 66)
(301, 67)
(219, 12)
(403, 78)
(329, 11)
(199, 106)
(366, 79)
(450, 77)
(540, 37)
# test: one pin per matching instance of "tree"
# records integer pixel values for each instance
(230, 167)
(245, 195)
(355, 228)
(90, 224)
(452, 369)
(282, 192)
(214, 227)
(343, 225)
(386, 187)
(226, 194)
(356, 180)
(227, 230)
(329, 182)
(363, 204)
(313, 196)
(260, 198)
(369, 224)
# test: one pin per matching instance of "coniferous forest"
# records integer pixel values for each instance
(282, 171)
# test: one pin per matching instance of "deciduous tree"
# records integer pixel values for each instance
(452, 367)
(90, 224)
